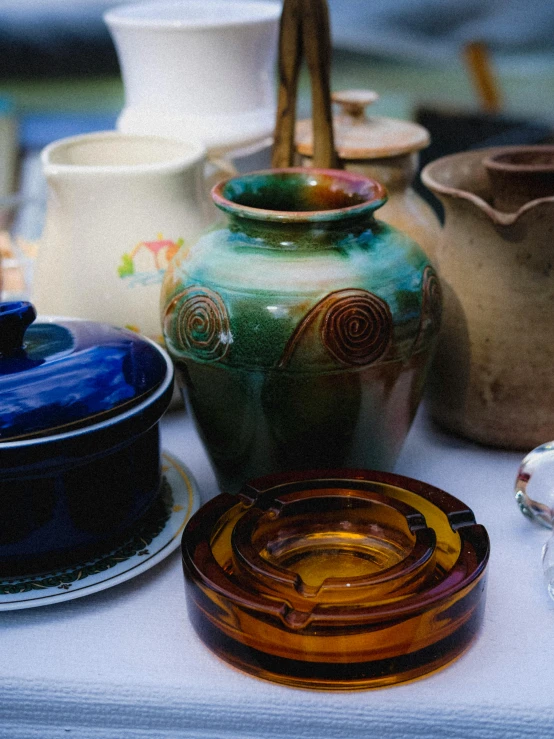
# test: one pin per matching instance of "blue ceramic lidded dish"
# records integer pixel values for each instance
(80, 404)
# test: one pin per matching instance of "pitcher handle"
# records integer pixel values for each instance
(304, 30)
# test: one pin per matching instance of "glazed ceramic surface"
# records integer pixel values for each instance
(80, 404)
(492, 379)
(151, 540)
(302, 328)
(119, 207)
(384, 149)
(198, 70)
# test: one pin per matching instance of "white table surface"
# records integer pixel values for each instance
(126, 663)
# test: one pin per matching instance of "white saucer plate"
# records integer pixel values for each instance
(155, 538)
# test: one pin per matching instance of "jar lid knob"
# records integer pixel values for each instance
(15, 319)
(354, 102)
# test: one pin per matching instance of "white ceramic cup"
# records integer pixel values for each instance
(202, 69)
(119, 206)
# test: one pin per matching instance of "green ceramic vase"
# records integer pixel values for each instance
(301, 327)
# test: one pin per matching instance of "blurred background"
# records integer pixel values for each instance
(59, 73)
(404, 47)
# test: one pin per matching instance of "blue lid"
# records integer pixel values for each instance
(57, 377)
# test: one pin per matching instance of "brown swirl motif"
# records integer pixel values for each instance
(431, 306)
(357, 328)
(200, 325)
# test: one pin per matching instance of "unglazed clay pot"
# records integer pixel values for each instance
(302, 328)
(492, 379)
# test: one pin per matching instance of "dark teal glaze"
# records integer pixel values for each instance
(303, 340)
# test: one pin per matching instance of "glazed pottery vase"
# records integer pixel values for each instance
(302, 328)
(492, 378)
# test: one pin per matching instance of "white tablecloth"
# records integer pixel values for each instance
(125, 663)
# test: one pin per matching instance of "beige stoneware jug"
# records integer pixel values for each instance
(493, 375)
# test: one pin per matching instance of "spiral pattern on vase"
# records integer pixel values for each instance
(431, 306)
(357, 327)
(200, 324)
(432, 295)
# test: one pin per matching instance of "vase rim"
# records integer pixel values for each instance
(116, 153)
(361, 195)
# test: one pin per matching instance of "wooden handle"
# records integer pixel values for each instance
(316, 37)
(478, 62)
(305, 30)
(290, 57)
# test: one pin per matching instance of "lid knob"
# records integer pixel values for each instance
(15, 318)
(354, 102)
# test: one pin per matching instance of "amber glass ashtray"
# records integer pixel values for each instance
(337, 580)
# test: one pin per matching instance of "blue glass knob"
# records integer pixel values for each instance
(15, 318)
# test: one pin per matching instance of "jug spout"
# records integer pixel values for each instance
(520, 174)
(486, 180)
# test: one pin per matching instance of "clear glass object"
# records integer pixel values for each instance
(534, 489)
(336, 580)
(534, 493)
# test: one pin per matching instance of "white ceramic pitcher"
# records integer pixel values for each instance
(119, 206)
(197, 69)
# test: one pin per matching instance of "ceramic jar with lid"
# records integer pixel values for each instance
(80, 463)
(301, 327)
(385, 149)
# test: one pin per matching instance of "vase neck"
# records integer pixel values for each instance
(303, 236)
